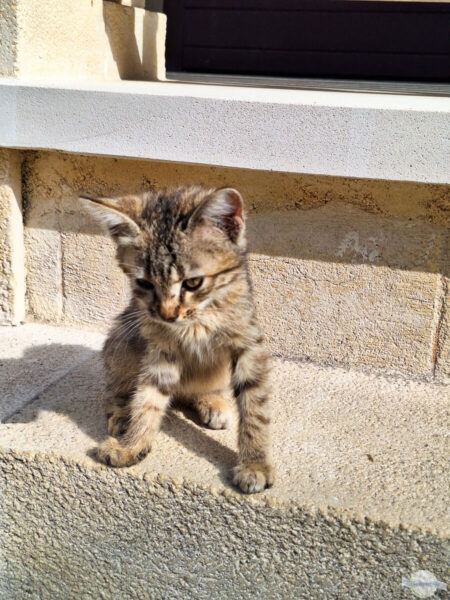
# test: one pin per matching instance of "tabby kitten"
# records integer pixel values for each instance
(189, 332)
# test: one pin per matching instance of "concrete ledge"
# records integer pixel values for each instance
(26, 374)
(330, 133)
(360, 499)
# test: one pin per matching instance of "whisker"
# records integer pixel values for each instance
(125, 335)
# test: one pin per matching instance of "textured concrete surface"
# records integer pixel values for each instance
(377, 136)
(72, 533)
(34, 357)
(87, 40)
(368, 445)
(346, 271)
(12, 259)
(360, 500)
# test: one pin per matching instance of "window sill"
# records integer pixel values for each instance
(349, 134)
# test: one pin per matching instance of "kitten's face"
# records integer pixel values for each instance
(182, 252)
(178, 279)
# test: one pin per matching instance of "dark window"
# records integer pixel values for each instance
(403, 41)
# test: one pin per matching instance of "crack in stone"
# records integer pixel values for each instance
(439, 309)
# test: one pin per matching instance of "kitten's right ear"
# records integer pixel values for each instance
(117, 215)
(223, 209)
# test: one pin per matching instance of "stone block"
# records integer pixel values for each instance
(84, 40)
(336, 284)
(442, 339)
(12, 271)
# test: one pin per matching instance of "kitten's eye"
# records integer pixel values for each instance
(193, 284)
(144, 284)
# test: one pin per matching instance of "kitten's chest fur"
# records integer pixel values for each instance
(204, 361)
(210, 374)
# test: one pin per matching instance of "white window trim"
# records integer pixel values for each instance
(380, 136)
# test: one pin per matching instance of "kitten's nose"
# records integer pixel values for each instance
(169, 310)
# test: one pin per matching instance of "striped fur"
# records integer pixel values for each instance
(190, 331)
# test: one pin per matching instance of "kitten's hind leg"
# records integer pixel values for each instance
(214, 409)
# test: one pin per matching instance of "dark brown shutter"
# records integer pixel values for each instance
(310, 38)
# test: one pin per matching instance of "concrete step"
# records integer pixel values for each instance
(360, 500)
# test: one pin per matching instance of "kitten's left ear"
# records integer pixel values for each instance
(117, 215)
(223, 209)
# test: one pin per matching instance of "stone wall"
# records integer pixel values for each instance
(346, 271)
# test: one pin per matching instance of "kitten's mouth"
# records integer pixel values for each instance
(179, 321)
(176, 322)
(184, 319)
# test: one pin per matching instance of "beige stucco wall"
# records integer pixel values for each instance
(345, 271)
(8, 39)
(84, 40)
(12, 260)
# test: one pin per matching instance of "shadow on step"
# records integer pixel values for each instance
(75, 394)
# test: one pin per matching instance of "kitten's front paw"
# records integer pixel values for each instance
(215, 412)
(251, 478)
(113, 454)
